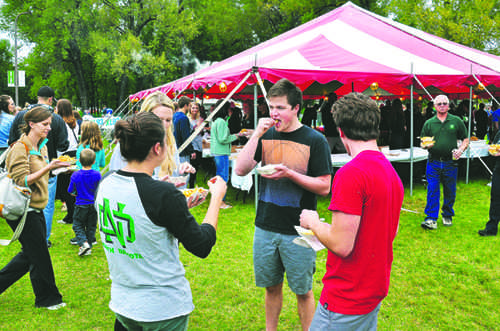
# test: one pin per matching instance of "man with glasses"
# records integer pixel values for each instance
(442, 167)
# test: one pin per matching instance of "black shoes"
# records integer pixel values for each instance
(486, 233)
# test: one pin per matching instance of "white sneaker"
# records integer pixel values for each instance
(56, 307)
(447, 221)
(429, 224)
(84, 249)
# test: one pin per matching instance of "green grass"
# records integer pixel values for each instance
(446, 279)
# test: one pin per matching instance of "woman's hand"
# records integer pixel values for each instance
(186, 168)
(55, 164)
(217, 187)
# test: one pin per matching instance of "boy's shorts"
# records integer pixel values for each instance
(274, 254)
(326, 320)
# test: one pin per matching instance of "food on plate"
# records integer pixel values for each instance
(427, 141)
(243, 131)
(268, 169)
(494, 149)
(194, 191)
(474, 138)
(66, 158)
(308, 233)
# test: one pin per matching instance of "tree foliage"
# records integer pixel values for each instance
(97, 52)
(6, 64)
(474, 23)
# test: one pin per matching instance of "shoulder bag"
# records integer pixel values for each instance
(14, 199)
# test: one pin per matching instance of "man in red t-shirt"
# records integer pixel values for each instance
(367, 195)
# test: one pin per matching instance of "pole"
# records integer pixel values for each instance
(411, 133)
(16, 74)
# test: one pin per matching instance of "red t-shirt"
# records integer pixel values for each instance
(367, 186)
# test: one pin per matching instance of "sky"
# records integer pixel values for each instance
(23, 48)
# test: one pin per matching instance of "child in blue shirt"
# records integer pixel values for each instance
(83, 185)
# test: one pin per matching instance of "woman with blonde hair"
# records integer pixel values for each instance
(92, 139)
(163, 107)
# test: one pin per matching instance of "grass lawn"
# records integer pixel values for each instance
(446, 279)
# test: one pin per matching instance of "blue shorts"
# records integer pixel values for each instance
(274, 254)
(325, 320)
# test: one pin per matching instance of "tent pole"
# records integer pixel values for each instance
(469, 134)
(491, 95)
(422, 85)
(352, 86)
(256, 176)
(411, 133)
(212, 114)
(261, 84)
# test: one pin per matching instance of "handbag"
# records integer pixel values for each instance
(14, 199)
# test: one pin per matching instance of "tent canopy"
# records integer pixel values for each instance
(347, 50)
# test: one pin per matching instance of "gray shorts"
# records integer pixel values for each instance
(325, 320)
(274, 254)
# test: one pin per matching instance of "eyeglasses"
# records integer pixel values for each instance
(442, 104)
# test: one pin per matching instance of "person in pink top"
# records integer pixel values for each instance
(367, 195)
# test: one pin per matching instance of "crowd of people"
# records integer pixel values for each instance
(140, 208)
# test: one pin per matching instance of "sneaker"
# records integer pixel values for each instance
(84, 249)
(56, 307)
(63, 222)
(486, 233)
(429, 224)
(447, 221)
(73, 241)
(49, 243)
(94, 242)
(88, 252)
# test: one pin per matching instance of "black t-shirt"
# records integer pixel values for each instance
(281, 201)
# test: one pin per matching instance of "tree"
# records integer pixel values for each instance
(5, 65)
(474, 23)
(101, 51)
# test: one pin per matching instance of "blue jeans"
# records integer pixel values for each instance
(438, 172)
(222, 167)
(48, 211)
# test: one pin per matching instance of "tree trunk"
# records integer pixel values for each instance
(123, 88)
(75, 57)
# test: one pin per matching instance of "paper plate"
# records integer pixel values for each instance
(268, 169)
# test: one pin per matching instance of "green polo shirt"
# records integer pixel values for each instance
(446, 134)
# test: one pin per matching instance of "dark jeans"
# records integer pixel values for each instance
(85, 224)
(196, 163)
(441, 172)
(492, 225)
(34, 258)
(62, 193)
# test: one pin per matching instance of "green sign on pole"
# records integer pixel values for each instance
(10, 78)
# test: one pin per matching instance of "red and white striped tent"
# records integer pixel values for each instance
(348, 49)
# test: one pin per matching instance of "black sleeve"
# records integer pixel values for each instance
(60, 134)
(15, 132)
(166, 206)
